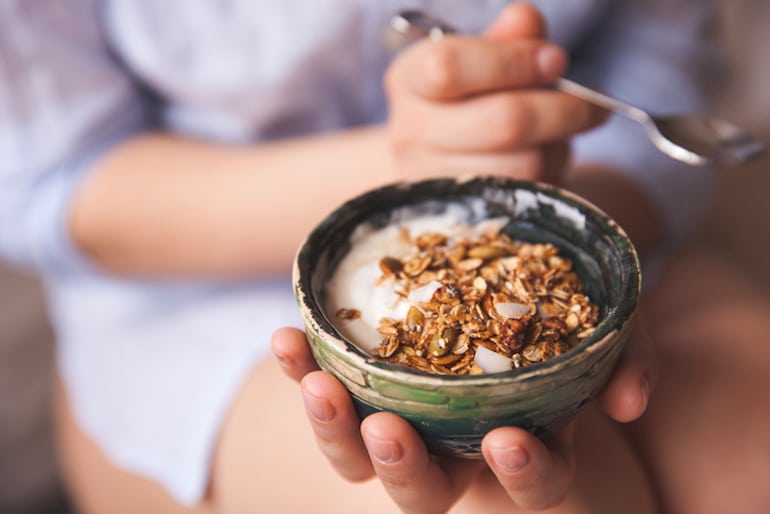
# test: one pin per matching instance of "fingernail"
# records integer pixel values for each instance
(551, 61)
(321, 409)
(510, 460)
(387, 452)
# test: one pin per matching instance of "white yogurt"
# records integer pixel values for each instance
(354, 283)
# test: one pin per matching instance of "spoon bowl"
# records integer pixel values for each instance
(690, 138)
(705, 140)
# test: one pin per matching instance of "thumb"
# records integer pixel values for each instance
(535, 474)
(517, 20)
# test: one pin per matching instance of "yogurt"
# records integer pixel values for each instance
(355, 283)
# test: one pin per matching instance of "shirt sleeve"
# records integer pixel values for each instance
(64, 100)
(653, 54)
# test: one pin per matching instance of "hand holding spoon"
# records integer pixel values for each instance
(689, 138)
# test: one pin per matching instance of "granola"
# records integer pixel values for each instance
(480, 302)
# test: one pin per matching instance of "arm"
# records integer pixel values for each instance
(85, 169)
(141, 202)
(164, 205)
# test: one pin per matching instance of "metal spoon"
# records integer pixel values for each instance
(689, 138)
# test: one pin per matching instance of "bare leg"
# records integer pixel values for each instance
(706, 434)
(267, 461)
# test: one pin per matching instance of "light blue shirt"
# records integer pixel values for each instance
(151, 366)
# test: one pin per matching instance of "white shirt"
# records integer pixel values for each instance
(151, 366)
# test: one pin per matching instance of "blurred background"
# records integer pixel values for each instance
(737, 226)
(738, 223)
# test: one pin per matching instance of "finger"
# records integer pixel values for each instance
(336, 425)
(500, 121)
(416, 481)
(291, 348)
(626, 395)
(457, 67)
(518, 19)
(536, 475)
(555, 160)
(547, 163)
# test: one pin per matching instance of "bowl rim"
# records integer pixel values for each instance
(612, 322)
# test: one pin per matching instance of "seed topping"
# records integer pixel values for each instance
(524, 301)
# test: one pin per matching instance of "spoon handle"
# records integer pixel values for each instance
(597, 98)
(410, 25)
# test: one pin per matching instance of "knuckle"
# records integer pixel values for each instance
(582, 115)
(406, 129)
(509, 123)
(350, 466)
(395, 482)
(525, 73)
(329, 440)
(355, 476)
(441, 70)
(401, 140)
(539, 493)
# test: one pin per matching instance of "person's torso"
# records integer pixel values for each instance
(248, 70)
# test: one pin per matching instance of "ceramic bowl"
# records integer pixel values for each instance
(452, 413)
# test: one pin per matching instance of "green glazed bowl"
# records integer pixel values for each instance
(452, 413)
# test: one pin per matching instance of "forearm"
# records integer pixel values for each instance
(162, 205)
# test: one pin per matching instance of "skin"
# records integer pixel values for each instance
(456, 105)
(701, 447)
(519, 472)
